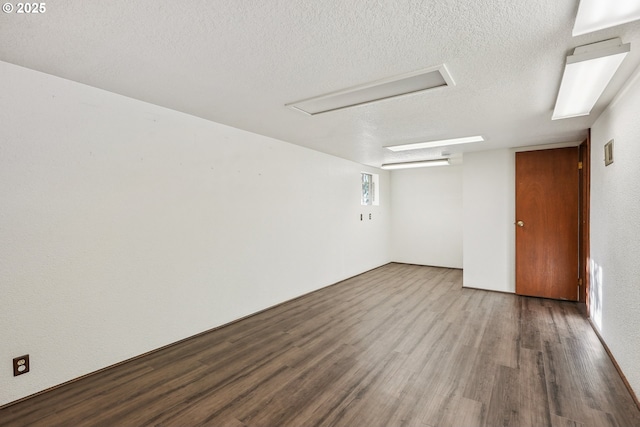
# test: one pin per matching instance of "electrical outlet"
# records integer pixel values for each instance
(20, 365)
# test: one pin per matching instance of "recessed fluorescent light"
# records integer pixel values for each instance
(594, 15)
(431, 144)
(420, 164)
(405, 84)
(586, 75)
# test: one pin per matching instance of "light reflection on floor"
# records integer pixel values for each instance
(595, 294)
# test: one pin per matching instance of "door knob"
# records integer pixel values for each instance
(520, 223)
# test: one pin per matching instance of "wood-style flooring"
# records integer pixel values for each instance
(401, 345)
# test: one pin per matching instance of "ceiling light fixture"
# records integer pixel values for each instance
(420, 164)
(439, 143)
(594, 15)
(405, 84)
(586, 74)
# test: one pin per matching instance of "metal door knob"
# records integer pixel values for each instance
(520, 223)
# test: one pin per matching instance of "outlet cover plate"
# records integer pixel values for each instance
(20, 365)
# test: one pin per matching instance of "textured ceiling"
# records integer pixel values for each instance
(238, 62)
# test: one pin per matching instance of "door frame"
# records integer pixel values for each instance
(584, 244)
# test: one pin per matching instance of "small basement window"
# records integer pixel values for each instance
(370, 189)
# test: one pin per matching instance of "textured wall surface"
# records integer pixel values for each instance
(489, 209)
(615, 230)
(426, 217)
(126, 226)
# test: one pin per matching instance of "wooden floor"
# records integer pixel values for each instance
(401, 345)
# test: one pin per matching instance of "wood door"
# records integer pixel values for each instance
(547, 206)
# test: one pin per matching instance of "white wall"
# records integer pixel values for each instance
(126, 226)
(615, 230)
(461, 216)
(426, 219)
(489, 209)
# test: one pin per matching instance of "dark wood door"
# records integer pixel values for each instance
(547, 206)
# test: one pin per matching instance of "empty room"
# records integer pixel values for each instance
(303, 213)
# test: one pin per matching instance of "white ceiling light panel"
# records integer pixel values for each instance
(420, 164)
(594, 15)
(405, 84)
(587, 73)
(432, 144)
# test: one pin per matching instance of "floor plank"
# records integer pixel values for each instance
(401, 345)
